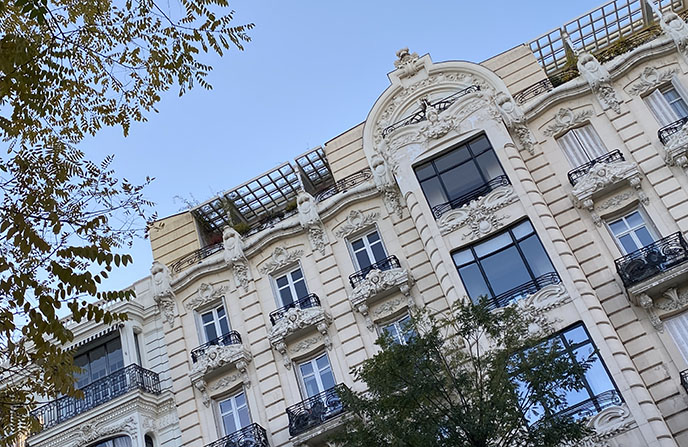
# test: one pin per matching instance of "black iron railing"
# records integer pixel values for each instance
(230, 338)
(439, 210)
(664, 134)
(250, 436)
(306, 302)
(575, 174)
(546, 85)
(315, 410)
(592, 406)
(523, 290)
(269, 221)
(441, 105)
(120, 382)
(195, 257)
(652, 259)
(345, 184)
(684, 380)
(390, 262)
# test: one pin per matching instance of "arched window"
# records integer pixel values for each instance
(148, 441)
(119, 441)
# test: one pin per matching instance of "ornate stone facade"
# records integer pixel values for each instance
(295, 321)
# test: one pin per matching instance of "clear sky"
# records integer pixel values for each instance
(313, 70)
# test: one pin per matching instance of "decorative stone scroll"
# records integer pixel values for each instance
(310, 221)
(407, 63)
(356, 221)
(480, 215)
(676, 149)
(515, 120)
(599, 80)
(281, 257)
(548, 298)
(206, 294)
(162, 292)
(669, 301)
(608, 423)
(217, 356)
(566, 119)
(235, 258)
(385, 183)
(296, 320)
(650, 79)
(378, 282)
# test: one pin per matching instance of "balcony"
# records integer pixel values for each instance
(665, 133)
(390, 262)
(223, 352)
(546, 85)
(230, 338)
(439, 210)
(575, 175)
(250, 436)
(674, 137)
(195, 257)
(345, 184)
(659, 263)
(524, 290)
(684, 380)
(315, 411)
(588, 408)
(308, 302)
(130, 378)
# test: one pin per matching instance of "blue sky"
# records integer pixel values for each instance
(312, 71)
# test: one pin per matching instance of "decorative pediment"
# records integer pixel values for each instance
(297, 321)
(356, 221)
(206, 294)
(281, 257)
(479, 216)
(650, 79)
(566, 119)
(218, 356)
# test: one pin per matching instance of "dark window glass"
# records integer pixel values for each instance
(99, 361)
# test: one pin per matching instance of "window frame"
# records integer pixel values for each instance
(103, 342)
(647, 222)
(584, 152)
(208, 309)
(663, 89)
(219, 415)
(287, 271)
(313, 360)
(363, 235)
(396, 322)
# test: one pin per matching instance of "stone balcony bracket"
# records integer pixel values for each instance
(658, 305)
(297, 321)
(602, 179)
(676, 149)
(377, 284)
(219, 357)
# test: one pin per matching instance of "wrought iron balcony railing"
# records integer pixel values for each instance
(120, 382)
(439, 210)
(388, 263)
(664, 134)
(315, 410)
(345, 184)
(195, 257)
(441, 105)
(587, 408)
(546, 85)
(306, 302)
(684, 380)
(250, 436)
(269, 221)
(652, 259)
(521, 291)
(230, 338)
(575, 174)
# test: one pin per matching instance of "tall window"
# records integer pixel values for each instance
(400, 331)
(504, 267)
(99, 361)
(598, 388)
(119, 441)
(453, 176)
(368, 250)
(581, 145)
(678, 329)
(632, 232)
(667, 103)
(215, 323)
(316, 375)
(291, 287)
(234, 413)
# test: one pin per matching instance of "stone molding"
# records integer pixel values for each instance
(162, 292)
(676, 149)
(566, 119)
(376, 283)
(407, 63)
(280, 257)
(668, 301)
(515, 120)
(479, 215)
(206, 294)
(297, 320)
(548, 298)
(356, 221)
(217, 356)
(90, 432)
(650, 79)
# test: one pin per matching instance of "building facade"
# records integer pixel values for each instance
(551, 176)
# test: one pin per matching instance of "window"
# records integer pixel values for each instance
(581, 145)
(631, 232)
(215, 323)
(667, 103)
(316, 376)
(368, 250)
(148, 441)
(678, 329)
(291, 287)
(234, 413)
(400, 331)
(598, 388)
(455, 175)
(99, 361)
(119, 441)
(506, 266)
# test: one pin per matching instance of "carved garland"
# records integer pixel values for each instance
(566, 119)
(206, 294)
(281, 257)
(356, 221)
(650, 79)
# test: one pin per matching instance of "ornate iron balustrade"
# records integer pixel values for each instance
(315, 410)
(664, 134)
(528, 288)
(439, 210)
(388, 263)
(546, 85)
(120, 382)
(575, 174)
(345, 184)
(250, 436)
(592, 406)
(441, 105)
(684, 380)
(269, 221)
(195, 257)
(230, 338)
(308, 301)
(652, 259)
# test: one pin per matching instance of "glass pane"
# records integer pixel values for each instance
(462, 257)
(210, 332)
(635, 219)
(240, 400)
(644, 236)
(378, 252)
(207, 318)
(576, 335)
(462, 180)
(357, 244)
(296, 275)
(474, 282)
(322, 362)
(535, 255)
(224, 325)
(301, 290)
(83, 377)
(244, 416)
(618, 227)
(115, 357)
(492, 244)
(391, 331)
(425, 171)
(306, 369)
(522, 230)
(363, 259)
(505, 270)
(327, 379)
(285, 295)
(453, 158)
(433, 192)
(282, 281)
(373, 237)
(229, 423)
(489, 165)
(479, 145)
(311, 386)
(597, 376)
(98, 358)
(628, 243)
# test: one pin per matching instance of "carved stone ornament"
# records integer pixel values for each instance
(226, 381)
(162, 292)
(206, 294)
(676, 150)
(281, 257)
(295, 320)
(479, 215)
(89, 432)
(676, 28)
(390, 306)
(515, 120)
(407, 63)
(645, 301)
(650, 79)
(669, 301)
(385, 183)
(376, 283)
(566, 119)
(217, 356)
(607, 424)
(305, 345)
(310, 221)
(202, 386)
(356, 221)
(235, 258)
(548, 298)
(599, 80)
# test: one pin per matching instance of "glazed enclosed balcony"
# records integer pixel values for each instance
(316, 411)
(307, 302)
(524, 290)
(663, 263)
(129, 379)
(250, 436)
(230, 338)
(439, 210)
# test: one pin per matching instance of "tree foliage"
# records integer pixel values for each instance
(68, 68)
(466, 379)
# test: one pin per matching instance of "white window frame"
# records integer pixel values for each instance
(216, 321)
(647, 223)
(235, 412)
(287, 272)
(660, 107)
(581, 145)
(318, 376)
(366, 245)
(397, 325)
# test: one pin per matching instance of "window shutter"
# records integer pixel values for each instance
(591, 141)
(661, 108)
(678, 328)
